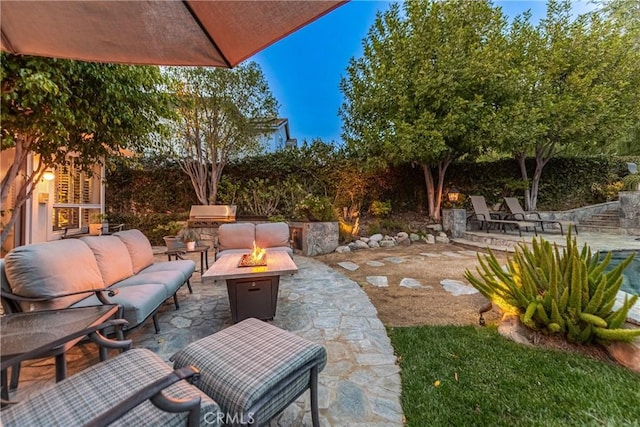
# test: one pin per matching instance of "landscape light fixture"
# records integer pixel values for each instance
(453, 195)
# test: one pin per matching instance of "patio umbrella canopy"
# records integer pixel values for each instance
(206, 33)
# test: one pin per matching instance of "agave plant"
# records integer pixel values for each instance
(559, 291)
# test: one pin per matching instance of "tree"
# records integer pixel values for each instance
(423, 91)
(626, 14)
(222, 113)
(54, 107)
(570, 87)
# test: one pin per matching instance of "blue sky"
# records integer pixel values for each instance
(304, 69)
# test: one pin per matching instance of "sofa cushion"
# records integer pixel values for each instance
(112, 257)
(273, 234)
(171, 280)
(236, 236)
(50, 269)
(82, 397)
(185, 266)
(232, 252)
(139, 248)
(138, 302)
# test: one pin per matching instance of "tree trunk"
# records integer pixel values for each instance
(535, 183)
(434, 189)
(428, 178)
(24, 189)
(521, 159)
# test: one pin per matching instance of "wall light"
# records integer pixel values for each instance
(48, 175)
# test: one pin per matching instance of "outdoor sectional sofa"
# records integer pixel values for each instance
(238, 238)
(87, 271)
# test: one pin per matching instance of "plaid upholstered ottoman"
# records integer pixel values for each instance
(254, 370)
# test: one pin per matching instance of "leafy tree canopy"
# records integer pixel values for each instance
(221, 113)
(52, 107)
(425, 87)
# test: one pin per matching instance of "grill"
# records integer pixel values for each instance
(211, 215)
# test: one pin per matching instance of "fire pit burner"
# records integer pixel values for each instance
(247, 261)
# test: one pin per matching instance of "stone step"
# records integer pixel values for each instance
(615, 217)
(610, 229)
(602, 222)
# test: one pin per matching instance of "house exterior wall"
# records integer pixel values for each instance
(36, 222)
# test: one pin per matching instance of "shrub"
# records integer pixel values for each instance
(631, 182)
(315, 208)
(380, 209)
(563, 292)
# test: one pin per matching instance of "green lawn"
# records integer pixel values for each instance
(501, 383)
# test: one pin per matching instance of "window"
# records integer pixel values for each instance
(77, 197)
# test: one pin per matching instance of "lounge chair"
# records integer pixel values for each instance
(520, 214)
(486, 218)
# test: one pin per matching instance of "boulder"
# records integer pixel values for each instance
(343, 249)
(376, 237)
(430, 239)
(403, 241)
(374, 244)
(414, 237)
(387, 243)
(626, 353)
(442, 239)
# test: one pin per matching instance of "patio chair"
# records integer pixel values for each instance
(486, 218)
(518, 213)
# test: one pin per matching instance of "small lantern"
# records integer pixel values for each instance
(453, 195)
(48, 175)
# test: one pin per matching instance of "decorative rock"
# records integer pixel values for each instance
(442, 239)
(626, 353)
(442, 234)
(430, 255)
(387, 243)
(402, 235)
(375, 264)
(453, 255)
(374, 244)
(414, 237)
(359, 244)
(379, 281)
(410, 283)
(343, 249)
(430, 239)
(435, 227)
(365, 239)
(348, 265)
(404, 241)
(376, 237)
(457, 288)
(510, 327)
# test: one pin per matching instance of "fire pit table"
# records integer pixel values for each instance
(253, 291)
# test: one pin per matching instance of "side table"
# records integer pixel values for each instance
(24, 332)
(204, 255)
